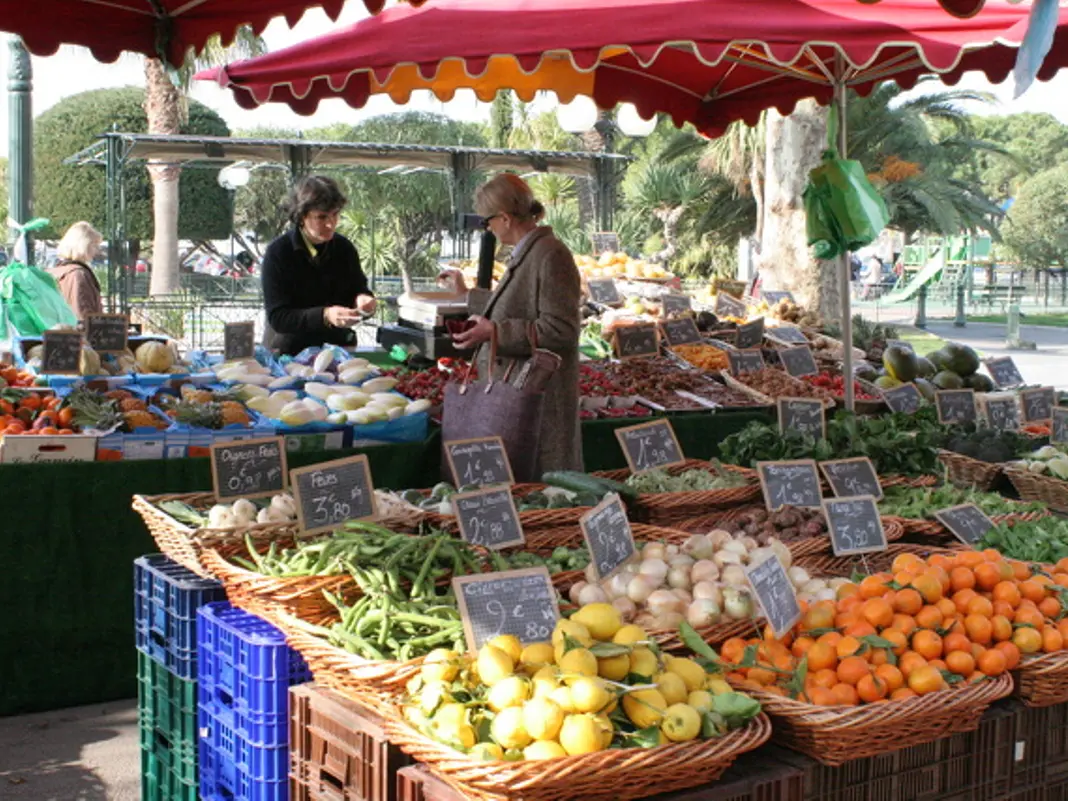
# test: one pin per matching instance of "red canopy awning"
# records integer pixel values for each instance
(703, 61)
(151, 27)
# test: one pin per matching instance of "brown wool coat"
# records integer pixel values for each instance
(79, 287)
(542, 286)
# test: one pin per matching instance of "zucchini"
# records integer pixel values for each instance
(581, 483)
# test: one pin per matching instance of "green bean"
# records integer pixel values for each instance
(383, 632)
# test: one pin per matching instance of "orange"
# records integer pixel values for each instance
(954, 625)
(1028, 616)
(822, 655)
(1050, 607)
(852, 669)
(977, 651)
(901, 694)
(1062, 627)
(893, 677)
(878, 656)
(873, 586)
(898, 638)
(1061, 579)
(801, 645)
(909, 662)
(907, 601)
(980, 606)
(825, 678)
(819, 616)
(848, 646)
(947, 608)
(961, 578)
(847, 591)
(1028, 640)
(993, 662)
(877, 612)
(956, 642)
(1002, 628)
(871, 689)
(962, 598)
(762, 676)
(821, 696)
(1021, 571)
(845, 694)
(926, 680)
(1011, 653)
(906, 624)
(1060, 567)
(733, 650)
(831, 638)
(979, 628)
(961, 663)
(1051, 640)
(927, 644)
(928, 586)
(938, 663)
(1004, 609)
(861, 628)
(1007, 591)
(930, 617)
(987, 576)
(942, 576)
(1032, 590)
(907, 561)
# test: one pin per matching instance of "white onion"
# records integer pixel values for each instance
(639, 589)
(662, 601)
(656, 569)
(705, 570)
(617, 585)
(699, 547)
(679, 578)
(798, 576)
(749, 543)
(671, 550)
(835, 583)
(734, 576)
(669, 620)
(827, 595)
(724, 558)
(653, 550)
(737, 605)
(684, 597)
(709, 591)
(718, 536)
(681, 560)
(573, 593)
(702, 612)
(735, 546)
(645, 620)
(625, 607)
(782, 552)
(592, 594)
(591, 573)
(812, 586)
(758, 555)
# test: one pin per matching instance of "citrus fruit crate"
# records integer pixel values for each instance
(166, 599)
(416, 783)
(167, 718)
(160, 784)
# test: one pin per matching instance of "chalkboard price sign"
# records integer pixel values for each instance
(329, 493)
(603, 291)
(107, 333)
(488, 518)
(956, 406)
(62, 352)
(1038, 404)
(608, 536)
(775, 592)
(795, 483)
(1059, 433)
(774, 296)
(519, 602)
(479, 461)
(634, 341)
(966, 522)
(250, 468)
(675, 304)
(682, 331)
(605, 242)
(854, 525)
(851, 478)
(239, 341)
(806, 415)
(745, 361)
(799, 361)
(1003, 372)
(1002, 413)
(787, 335)
(750, 335)
(650, 445)
(729, 306)
(905, 399)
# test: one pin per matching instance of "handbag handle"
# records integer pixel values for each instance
(474, 361)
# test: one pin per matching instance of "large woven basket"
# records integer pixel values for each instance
(935, 530)
(618, 774)
(834, 735)
(1042, 680)
(668, 508)
(878, 562)
(183, 543)
(964, 471)
(815, 546)
(1034, 487)
(531, 520)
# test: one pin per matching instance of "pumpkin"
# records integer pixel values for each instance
(154, 357)
(89, 363)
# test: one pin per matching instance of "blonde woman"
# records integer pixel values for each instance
(541, 286)
(76, 251)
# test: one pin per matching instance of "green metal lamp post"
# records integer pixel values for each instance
(20, 136)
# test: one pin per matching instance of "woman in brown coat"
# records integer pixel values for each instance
(541, 286)
(76, 251)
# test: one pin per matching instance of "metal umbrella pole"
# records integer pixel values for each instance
(844, 282)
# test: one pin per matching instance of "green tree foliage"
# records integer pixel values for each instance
(1033, 142)
(66, 194)
(3, 188)
(259, 207)
(1037, 227)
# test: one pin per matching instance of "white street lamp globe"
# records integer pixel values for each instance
(578, 116)
(234, 177)
(631, 123)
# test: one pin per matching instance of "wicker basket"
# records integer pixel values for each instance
(1034, 487)
(668, 508)
(934, 529)
(184, 544)
(617, 774)
(1042, 680)
(878, 562)
(799, 389)
(836, 734)
(706, 523)
(531, 520)
(963, 471)
(915, 482)
(816, 546)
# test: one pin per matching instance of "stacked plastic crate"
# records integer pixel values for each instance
(246, 670)
(166, 599)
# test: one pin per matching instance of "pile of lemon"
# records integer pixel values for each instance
(599, 683)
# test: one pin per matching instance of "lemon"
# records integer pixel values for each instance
(508, 643)
(691, 673)
(581, 734)
(536, 655)
(451, 714)
(607, 729)
(602, 620)
(681, 724)
(561, 696)
(441, 664)
(717, 686)
(644, 707)
(510, 691)
(487, 751)
(590, 695)
(544, 681)
(672, 687)
(614, 668)
(572, 629)
(415, 716)
(701, 700)
(578, 661)
(464, 734)
(507, 728)
(544, 749)
(629, 635)
(542, 718)
(494, 664)
(433, 695)
(644, 662)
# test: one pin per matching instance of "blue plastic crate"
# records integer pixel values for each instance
(222, 779)
(166, 599)
(246, 670)
(261, 762)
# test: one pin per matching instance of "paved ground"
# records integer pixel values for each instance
(90, 753)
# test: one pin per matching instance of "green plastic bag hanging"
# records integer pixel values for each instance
(844, 212)
(30, 300)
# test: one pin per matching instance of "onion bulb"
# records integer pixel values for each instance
(798, 576)
(725, 557)
(573, 593)
(737, 605)
(654, 569)
(749, 543)
(718, 537)
(781, 551)
(685, 599)
(617, 585)
(707, 591)
(653, 550)
(662, 601)
(678, 578)
(669, 620)
(699, 547)
(827, 595)
(734, 576)
(671, 550)
(735, 546)
(592, 594)
(758, 555)
(705, 570)
(681, 560)
(626, 608)
(702, 612)
(639, 589)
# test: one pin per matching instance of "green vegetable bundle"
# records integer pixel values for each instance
(660, 480)
(920, 503)
(1044, 540)
(987, 445)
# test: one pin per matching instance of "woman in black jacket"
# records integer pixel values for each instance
(313, 287)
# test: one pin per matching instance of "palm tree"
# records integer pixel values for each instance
(668, 189)
(165, 107)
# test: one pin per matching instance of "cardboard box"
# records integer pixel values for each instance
(25, 449)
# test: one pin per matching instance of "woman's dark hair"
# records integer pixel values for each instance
(314, 193)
